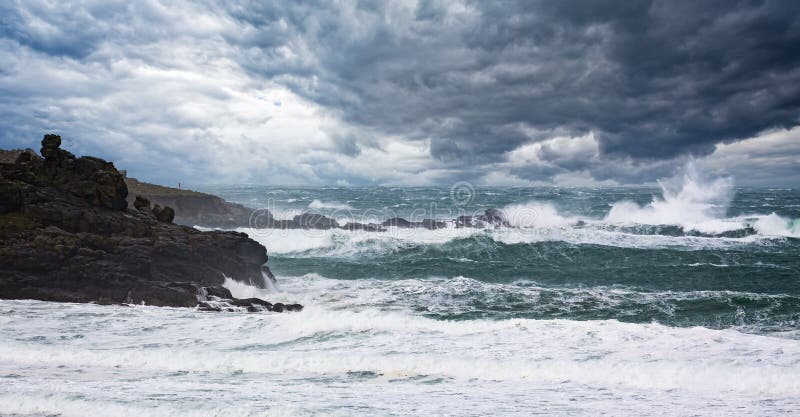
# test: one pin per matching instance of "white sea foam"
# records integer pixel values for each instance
(456, 296)
(242, 290)
(392, 344)
(538, 215)
(47, 404)
(333, 205)
(286, 213)
(697, 204)
(343, 243)
(291, 240)
(774, 225)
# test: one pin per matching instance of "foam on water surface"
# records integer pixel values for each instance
(75, 353)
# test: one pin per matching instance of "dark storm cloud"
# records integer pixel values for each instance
(652, 79)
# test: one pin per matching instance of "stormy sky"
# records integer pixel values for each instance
(409, 92)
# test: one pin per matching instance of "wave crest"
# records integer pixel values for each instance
(332, 205)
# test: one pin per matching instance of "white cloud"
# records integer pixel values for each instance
(769, 159)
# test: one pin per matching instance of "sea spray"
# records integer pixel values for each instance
(331, 205)
(536, 214)
(270, 283)
(240, 290)
(697, 203)
(775, 225)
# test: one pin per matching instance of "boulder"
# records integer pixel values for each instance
(494, 217)
(156, 210)
(315, 221)
(370, 227)
(433, 224)
(51, 149)
(465, 221)
(166, 215)
(397, 222)
(141, 203)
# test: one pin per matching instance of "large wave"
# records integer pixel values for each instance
(698, 204)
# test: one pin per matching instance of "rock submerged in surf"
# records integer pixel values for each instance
(252, 305)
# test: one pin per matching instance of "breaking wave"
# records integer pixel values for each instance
(690, 213)
(698, 204)
(333, 205)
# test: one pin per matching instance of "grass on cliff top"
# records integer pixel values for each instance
(146, 189)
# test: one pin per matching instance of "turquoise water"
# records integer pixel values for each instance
(703, 255)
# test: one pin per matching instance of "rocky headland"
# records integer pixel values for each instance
(68, 233)
(192, 208)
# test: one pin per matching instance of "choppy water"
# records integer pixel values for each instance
(618, 301)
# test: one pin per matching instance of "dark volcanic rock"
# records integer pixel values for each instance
(398, 222)
(433, 224)
(141, 203)
(165, 214)
(315, 221)
(494, 217)
(491, 217)
(66, 235)
(370, 227)
(465, 221)
(51, 149)
(257, 304)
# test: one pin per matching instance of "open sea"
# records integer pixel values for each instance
(682, 299)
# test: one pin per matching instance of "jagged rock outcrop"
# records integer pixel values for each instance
(397, 222)
(141, 203)
(366, 227)
(166, 214)
(405, 224)
(315, 221)
(433, 224)
(67, 234)
(494, 217)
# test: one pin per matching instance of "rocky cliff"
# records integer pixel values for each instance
(67, 233)
(192, 208)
